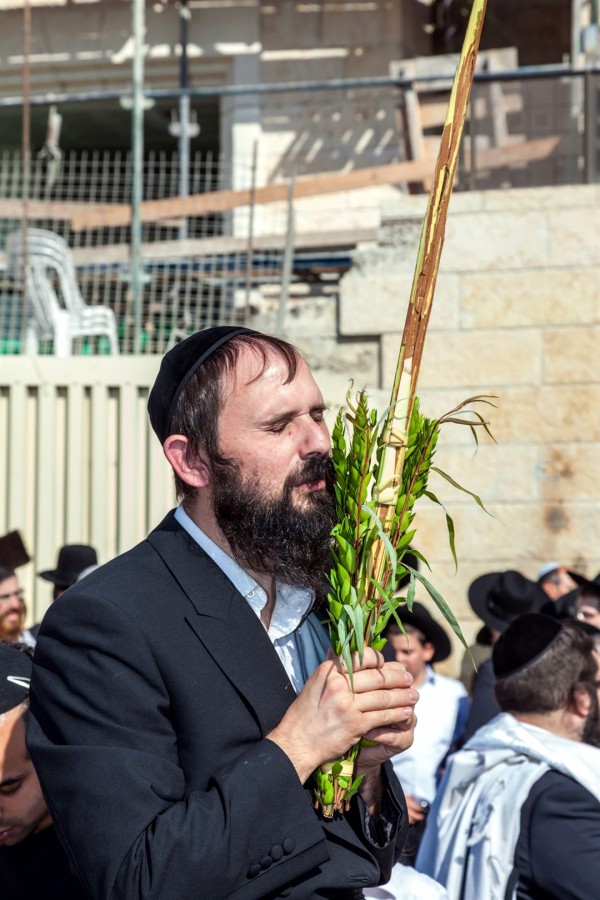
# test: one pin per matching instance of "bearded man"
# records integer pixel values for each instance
(517, 815)
(182, 696)
(12, 610)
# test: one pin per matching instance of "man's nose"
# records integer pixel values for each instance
(315, 439)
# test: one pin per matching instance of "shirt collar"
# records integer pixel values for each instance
(291, 603)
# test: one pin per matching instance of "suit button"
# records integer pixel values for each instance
(286, 893)
(253, 871)
(265, 862)
(288, 846)
(277, 853)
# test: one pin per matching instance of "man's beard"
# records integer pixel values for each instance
(276, 536)
(10, 629)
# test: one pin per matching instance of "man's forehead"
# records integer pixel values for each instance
(12, 733)
(253, 366)
(8, 582)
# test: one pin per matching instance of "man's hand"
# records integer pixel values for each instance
(328, 717)
(416, 810)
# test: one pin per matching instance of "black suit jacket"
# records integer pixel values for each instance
(484, 705)
(557, 850)
(154, 686)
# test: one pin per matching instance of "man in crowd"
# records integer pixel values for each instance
(180, 701)
(497, 598)
(73, 559)
(519, 806)
(587, 603)
(33, 865)
(442, 711)
(12, 609)
(559, 582)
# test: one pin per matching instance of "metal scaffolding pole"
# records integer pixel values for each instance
(137, 163)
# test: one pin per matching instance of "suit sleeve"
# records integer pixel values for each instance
(106, 753)
(559, 847)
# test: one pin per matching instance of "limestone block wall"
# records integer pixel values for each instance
(517, 315)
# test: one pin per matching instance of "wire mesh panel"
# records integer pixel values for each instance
(217, 254)
(197, 271)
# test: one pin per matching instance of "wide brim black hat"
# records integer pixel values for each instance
(72, 560)
(12, 551)
(420, 618)
(177, 367)
(498, 598)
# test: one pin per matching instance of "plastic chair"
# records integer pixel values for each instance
(60, 315)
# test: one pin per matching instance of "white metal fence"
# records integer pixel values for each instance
(78, 460)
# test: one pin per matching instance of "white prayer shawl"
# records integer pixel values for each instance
(474, 823)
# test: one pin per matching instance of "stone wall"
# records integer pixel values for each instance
(517, 315)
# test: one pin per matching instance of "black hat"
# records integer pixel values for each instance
(421, 619)
(176, 369)
(12, 551)
(499, 597)
(523, 642)
(15, 675)
(72, 560)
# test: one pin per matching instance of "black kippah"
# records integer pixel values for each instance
(15, 674)
(525, 640)
(176, 369)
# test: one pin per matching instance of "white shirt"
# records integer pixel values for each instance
(437, 710)
(291, 606)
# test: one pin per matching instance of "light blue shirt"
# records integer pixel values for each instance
(300, 645)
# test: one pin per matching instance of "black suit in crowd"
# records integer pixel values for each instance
(557, 851)
(154, 686)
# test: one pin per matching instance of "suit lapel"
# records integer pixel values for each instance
(226, 625)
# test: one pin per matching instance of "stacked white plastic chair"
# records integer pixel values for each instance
(59, 316)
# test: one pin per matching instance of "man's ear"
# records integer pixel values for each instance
(190, 468)
(428, 651)
(581, 702)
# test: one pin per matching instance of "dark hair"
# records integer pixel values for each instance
(197, 412)
(6, 572)
(412, 631)
(549, 682)
(553, 576)
(589, 594)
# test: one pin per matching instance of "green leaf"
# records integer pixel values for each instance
(461, 488)
(390, 552)
(442, 606)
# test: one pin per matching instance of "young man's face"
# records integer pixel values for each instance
(23, 810)
(414, 654)
(11, 610)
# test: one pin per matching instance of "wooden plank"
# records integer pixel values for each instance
(83, 215)
(39, 209)
(113, 215)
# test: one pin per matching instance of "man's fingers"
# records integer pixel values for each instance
(388, 677)
(400, 701)
(393, 736)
